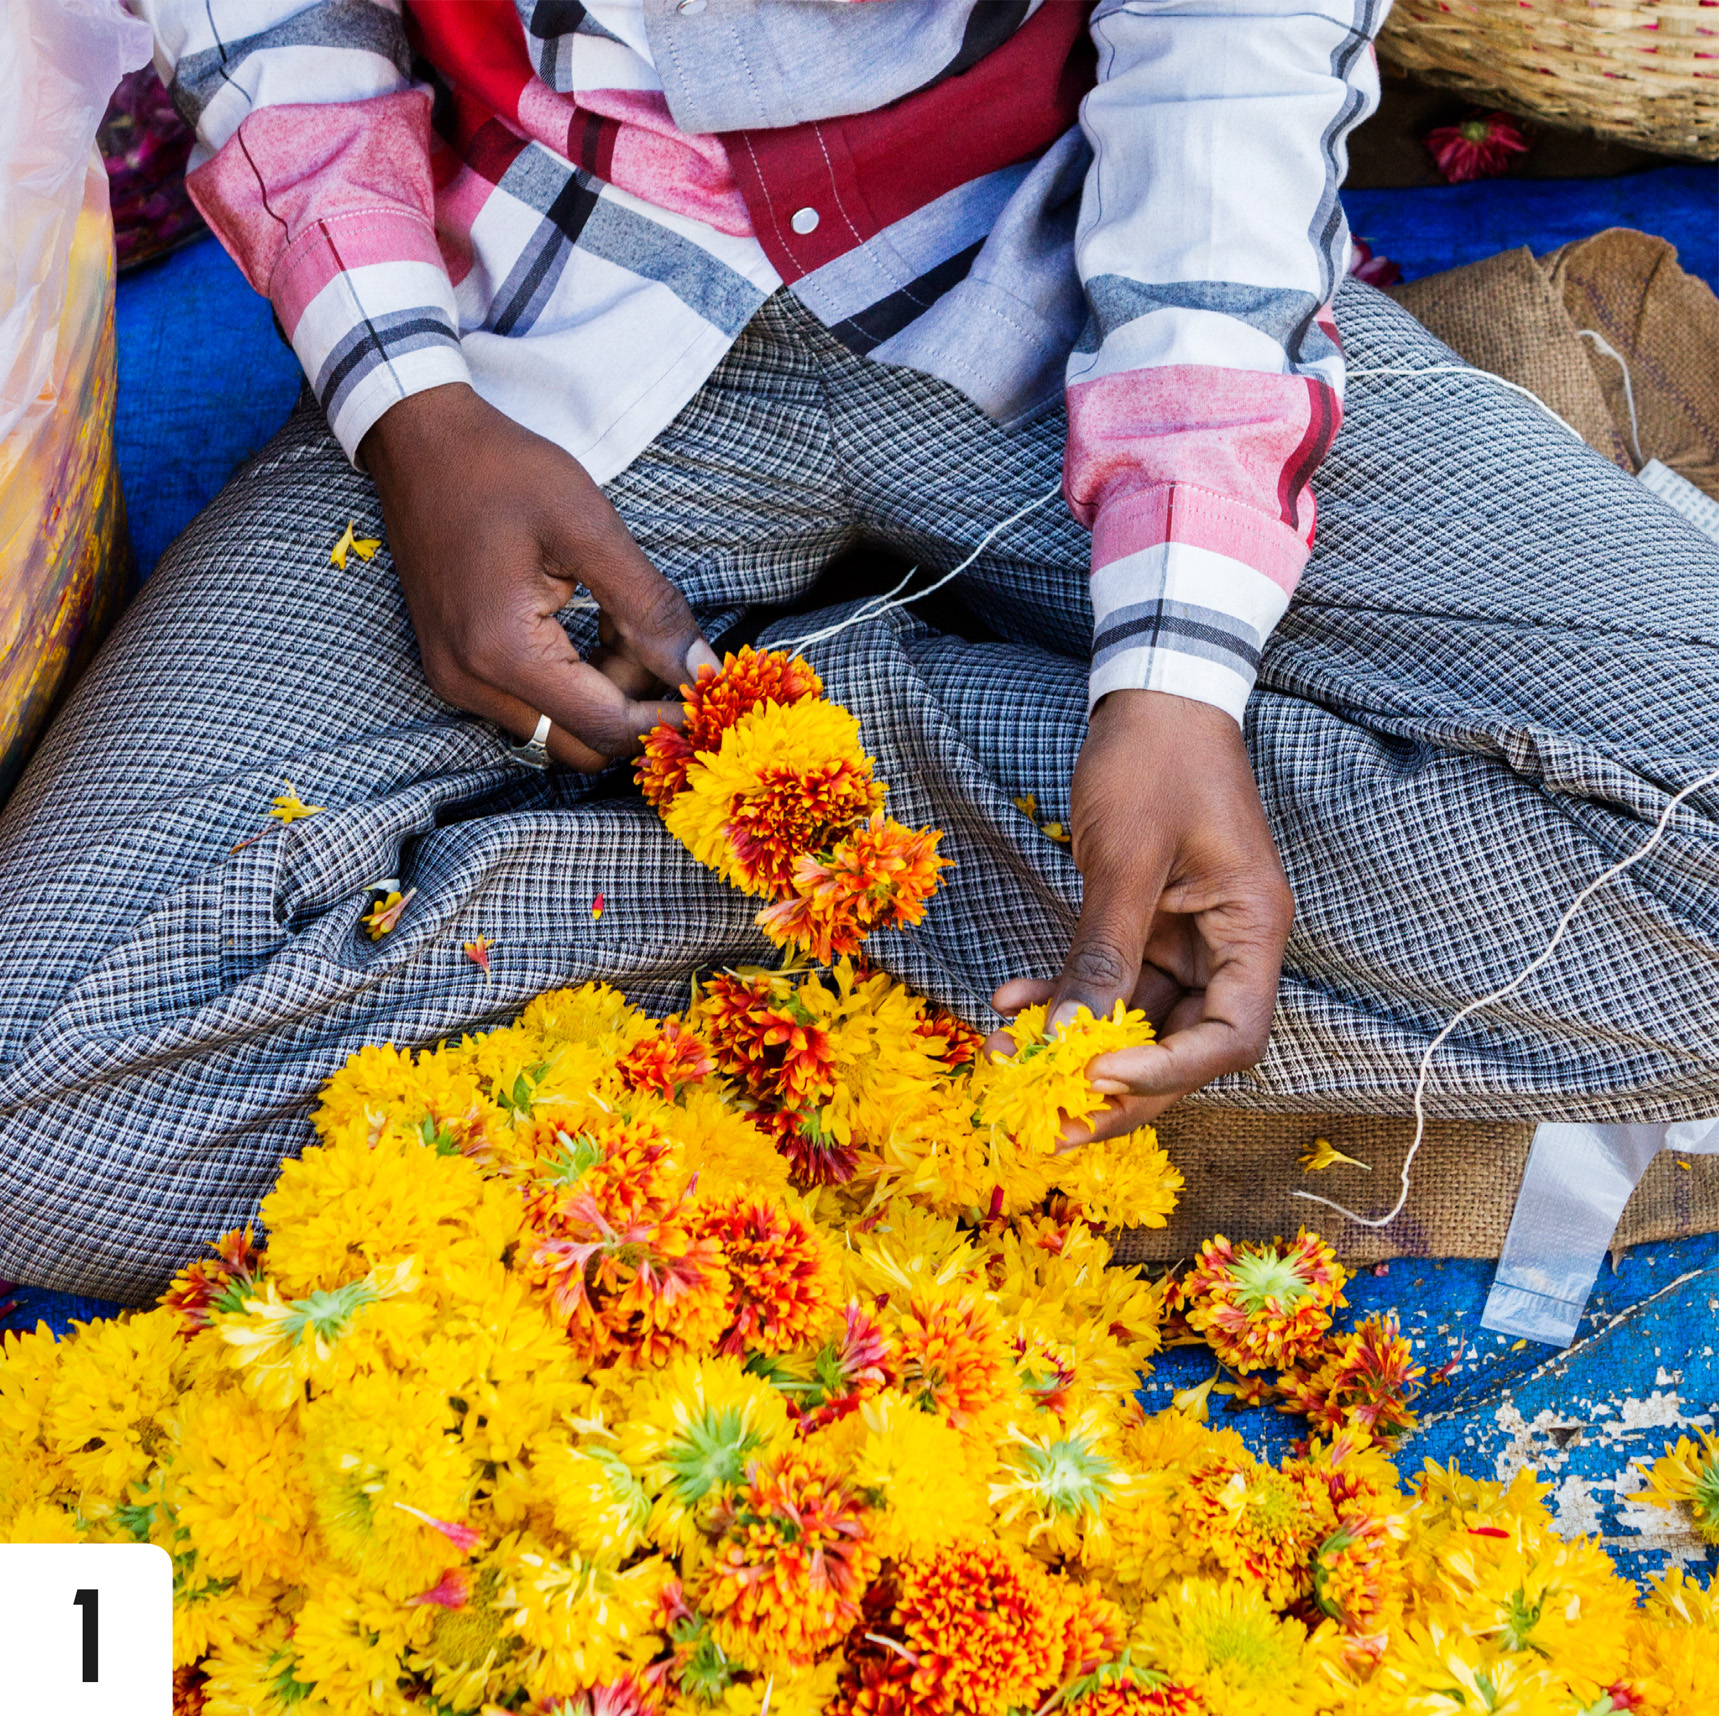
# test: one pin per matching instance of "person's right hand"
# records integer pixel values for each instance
(492, 528)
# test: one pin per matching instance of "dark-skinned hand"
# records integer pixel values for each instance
(1185, 909)
(492, 528)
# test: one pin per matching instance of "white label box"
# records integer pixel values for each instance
(86, 1629)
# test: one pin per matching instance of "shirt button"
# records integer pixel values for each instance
(690, 8)
(804, 220)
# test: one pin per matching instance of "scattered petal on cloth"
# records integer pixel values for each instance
(1028, 806)
(1196, 1401)
(478, 953)
(1055, 831)
(1479, 147)
(1325, 1154)
(289, 807)
(363, 546)
(385, 914)
(597, 909)
(1366, 265)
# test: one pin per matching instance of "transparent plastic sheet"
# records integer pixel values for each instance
(63, 550)
(1579, 1178)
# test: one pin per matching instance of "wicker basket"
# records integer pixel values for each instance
(1639, 71)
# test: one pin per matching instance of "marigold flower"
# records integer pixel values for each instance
(1366, 1377)
(879, 876)
(714, 702)
(218, 1283)
(1686, 1476)
(1120, 1182)
(1254, 1523)
(952, 1357)
(667, 1060)
(1029, 1094)
(781, 1287)
(1263, 1306)
(814, 1156)
(789, 1566)
(763, 1034)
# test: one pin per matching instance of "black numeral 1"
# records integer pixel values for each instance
(90, 1603)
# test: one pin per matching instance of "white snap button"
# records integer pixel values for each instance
(804, 220)
(690, 8)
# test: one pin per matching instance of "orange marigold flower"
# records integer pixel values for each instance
(764, 1035)
(217, 1283)
(879, 876)
(623, 1697)
(713, 703)
(844, 1371)
(814, 1157)
(1358, 1581)
(618, 1251)
(950, 1038)
(667, 1060)
(952, 1356)
(982, 1626)
(1261, 1307)
(781, 1290)
(789, 1566)
(1129, 1696)
(1366, 1377)
(188, 1694)
(795, 811)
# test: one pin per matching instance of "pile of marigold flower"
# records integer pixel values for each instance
(767, 1360)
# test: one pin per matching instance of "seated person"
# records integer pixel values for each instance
(621, 322)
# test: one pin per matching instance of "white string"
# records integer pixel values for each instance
(885, 603)
(1617, 357)
(1509, 988)
(1469, 369)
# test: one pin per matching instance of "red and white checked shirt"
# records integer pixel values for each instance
(577, 207)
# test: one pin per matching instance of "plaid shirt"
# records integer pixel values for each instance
(577, 207)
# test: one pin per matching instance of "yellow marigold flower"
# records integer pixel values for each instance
(108, 1410)
(917, 1473)
(694, 1429)
(258, 1675)
(784, 780)
(1031, 1093)
(344, 1209)
(215, 1614)
(578, 1624)
(1686, 1479)
(388, 1477)
(469, 1652)
(29, 1471)
(1674, 1646)
(281, 1345)
(792, 1558)
(1224, 1642)
(352, 1641)
(39, 1520)
(722, 1146)
(592, 1495)
(436, 1101)
(1057, 1485)
(235, 1486)
(1435, 1668)
(1253, 1523)
(1120, 1182)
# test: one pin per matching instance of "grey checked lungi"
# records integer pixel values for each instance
(1502, 661)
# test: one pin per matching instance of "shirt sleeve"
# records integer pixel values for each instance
(1208, 383)
(312, 167)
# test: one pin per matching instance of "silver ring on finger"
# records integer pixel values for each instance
(534, 753)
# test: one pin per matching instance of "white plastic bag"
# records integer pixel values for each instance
(60, 61)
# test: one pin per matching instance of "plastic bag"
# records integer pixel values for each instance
(63, 551)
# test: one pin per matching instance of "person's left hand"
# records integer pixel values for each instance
(1185, 910)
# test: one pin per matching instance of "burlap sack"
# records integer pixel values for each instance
(1628, 288)
(1242, 1171)
(1523, 319)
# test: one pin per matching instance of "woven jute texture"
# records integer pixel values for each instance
(1531, 321)
(1242, 1171)
(1641, 71)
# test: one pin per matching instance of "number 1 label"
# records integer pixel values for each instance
(86, 1629)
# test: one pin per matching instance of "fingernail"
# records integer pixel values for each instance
(1108, 1087)
(1064, 1015)
(702, 655)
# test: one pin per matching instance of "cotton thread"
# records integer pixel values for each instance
(1485, 374)
(1617, 357)
(887, 602)
(1509, 988)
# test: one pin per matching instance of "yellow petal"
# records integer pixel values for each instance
(1028, 806)
(1196, 1402)
(364, 546)
(1323, 1153)
(1055, 831)
(337, 554)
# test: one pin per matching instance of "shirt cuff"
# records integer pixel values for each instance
(1186, 587)
(366, 301)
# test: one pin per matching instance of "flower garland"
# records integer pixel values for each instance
(766, 1360)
